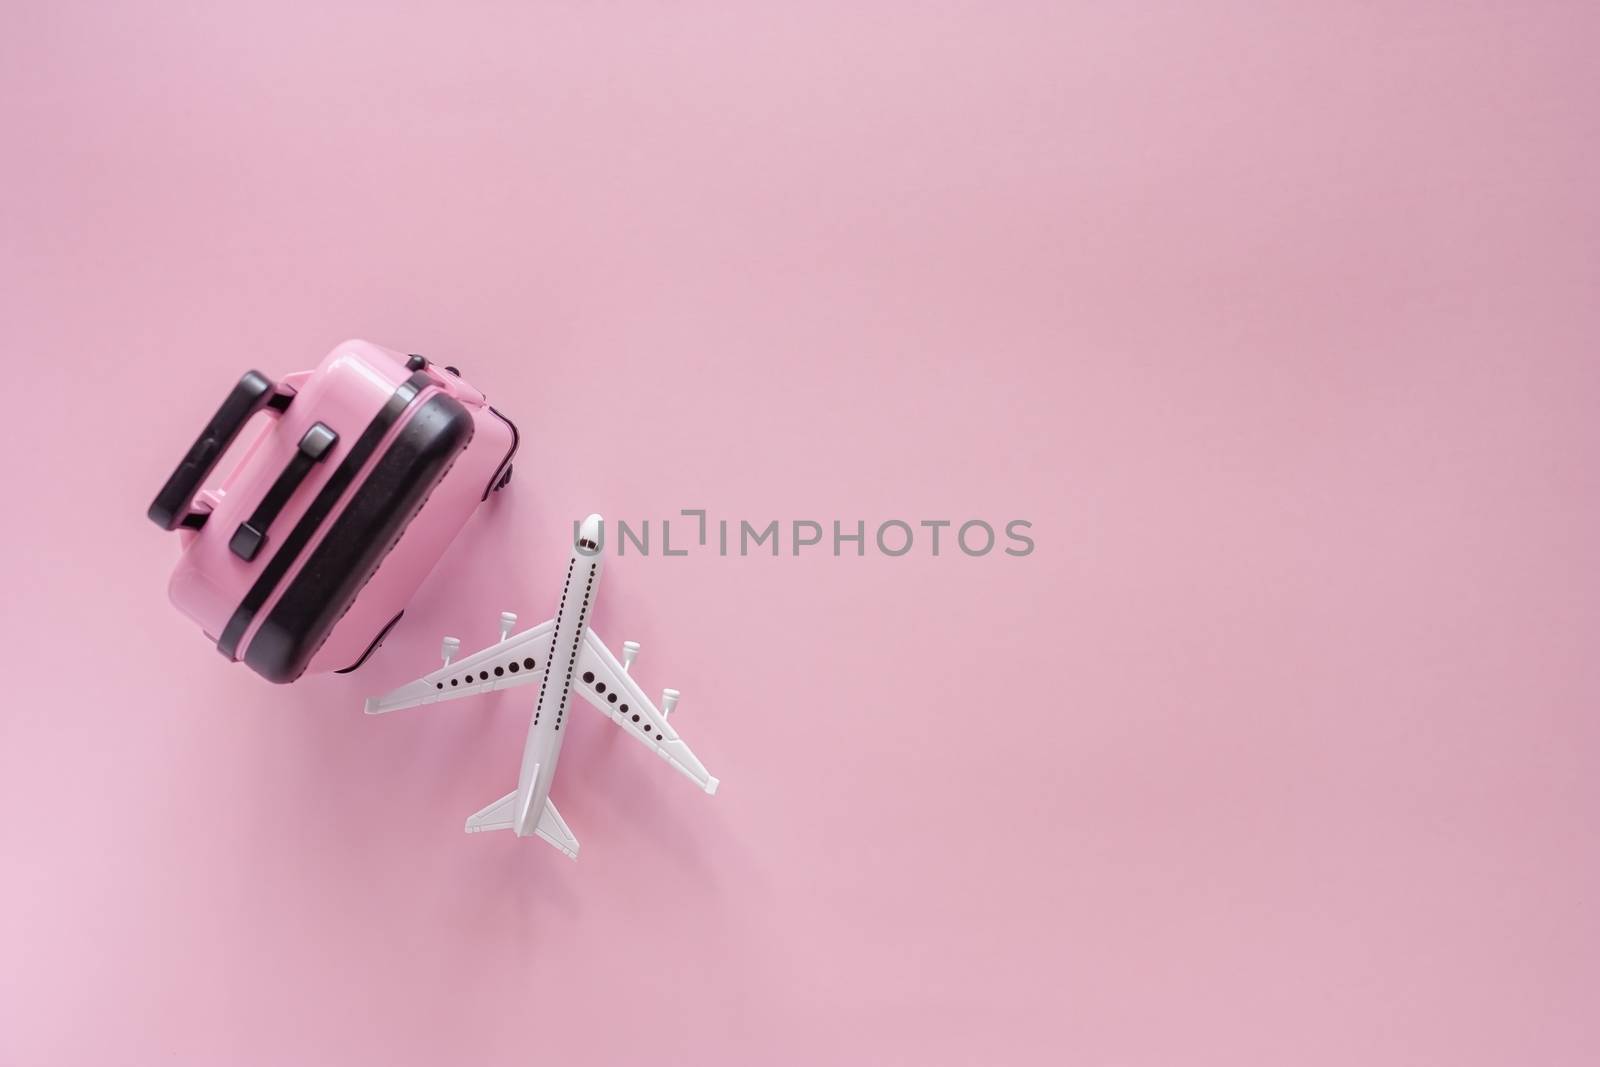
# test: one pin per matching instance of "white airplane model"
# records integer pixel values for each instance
(564, 656)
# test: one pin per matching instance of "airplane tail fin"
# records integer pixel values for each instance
(510, 813)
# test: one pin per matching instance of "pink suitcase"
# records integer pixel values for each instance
(304, 556)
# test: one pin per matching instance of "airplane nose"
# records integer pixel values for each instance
(589, 533)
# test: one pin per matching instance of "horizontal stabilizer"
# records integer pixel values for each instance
(553, 828)
(497, 816)
(502, 815)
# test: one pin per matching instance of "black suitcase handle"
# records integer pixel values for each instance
(252, 532)
(173, 505)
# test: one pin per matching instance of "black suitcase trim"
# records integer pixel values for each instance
(376, 641)
(502, 473)
(278, 566)
(369, 526)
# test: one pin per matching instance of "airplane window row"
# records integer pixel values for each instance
(483, 676)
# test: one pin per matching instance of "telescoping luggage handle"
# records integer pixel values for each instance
(173, 506)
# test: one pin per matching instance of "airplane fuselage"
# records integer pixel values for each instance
(548, 725)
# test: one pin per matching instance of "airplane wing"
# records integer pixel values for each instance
(501, 815)
(602, 682)
(517, 660)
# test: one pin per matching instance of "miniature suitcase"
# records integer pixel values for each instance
(304, 556)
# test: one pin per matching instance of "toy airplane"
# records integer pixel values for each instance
(563, 656)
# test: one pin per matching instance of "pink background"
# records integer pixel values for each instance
(1280, 326)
